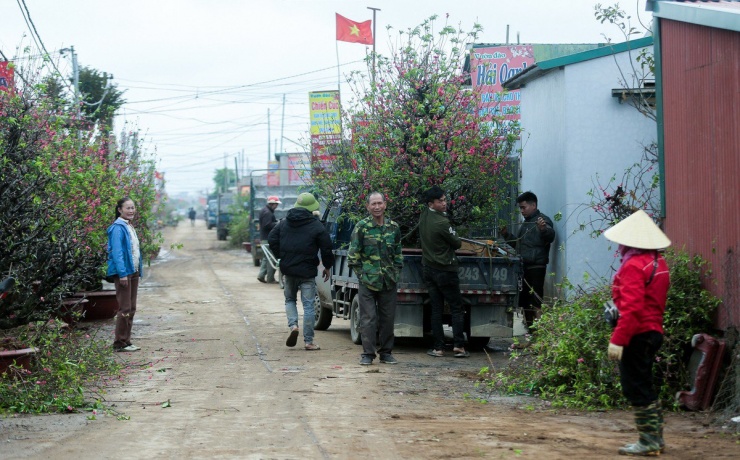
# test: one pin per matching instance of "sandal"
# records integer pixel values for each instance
(436, 353)
(461, 353)
(312, 347)
(293, 337)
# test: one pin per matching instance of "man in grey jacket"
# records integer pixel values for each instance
(533, 244)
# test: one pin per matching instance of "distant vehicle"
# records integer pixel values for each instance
(211, 213)
(223, 215)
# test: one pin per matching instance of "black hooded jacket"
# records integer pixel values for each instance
(297, 240)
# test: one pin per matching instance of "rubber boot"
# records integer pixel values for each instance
(646, 419)
(660, 422)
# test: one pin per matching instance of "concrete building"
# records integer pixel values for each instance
(574, 128)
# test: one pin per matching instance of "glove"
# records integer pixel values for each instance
(615, 352)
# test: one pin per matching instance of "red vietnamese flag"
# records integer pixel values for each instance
(354, 32)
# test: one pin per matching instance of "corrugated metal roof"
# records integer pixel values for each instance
(723, 14)
(544, 67)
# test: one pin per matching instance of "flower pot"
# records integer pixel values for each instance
(72, 310)
(21, 358)
(100, 305)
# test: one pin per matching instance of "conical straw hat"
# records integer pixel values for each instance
(638, 231)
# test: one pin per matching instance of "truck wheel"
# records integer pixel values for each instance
(323, 315)
(354, 321)
(221, 234)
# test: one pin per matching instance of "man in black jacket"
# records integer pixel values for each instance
(438, 244)
(267, 223)
(533, 244)
(296, 241)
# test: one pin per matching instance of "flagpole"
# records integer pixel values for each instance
(374, 39)
(336, 43)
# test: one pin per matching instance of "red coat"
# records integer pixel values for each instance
(640, 307)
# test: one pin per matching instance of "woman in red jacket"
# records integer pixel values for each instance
(639, 291)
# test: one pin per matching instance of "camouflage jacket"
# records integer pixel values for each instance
(375, 254)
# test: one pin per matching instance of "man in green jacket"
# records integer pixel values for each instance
(438, 244)
(375, 257)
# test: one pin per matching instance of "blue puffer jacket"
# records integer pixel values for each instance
(120, 258)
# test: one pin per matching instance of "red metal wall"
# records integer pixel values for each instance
(701, 94)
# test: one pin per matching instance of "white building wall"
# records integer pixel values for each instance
(597, 135)
(543, 163)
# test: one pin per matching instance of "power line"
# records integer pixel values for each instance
(251, 85)
(35, 34)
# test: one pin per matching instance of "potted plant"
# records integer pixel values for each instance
(13, 352)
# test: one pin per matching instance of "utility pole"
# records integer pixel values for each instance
(269, 156)
(226, 174)
(282, 125)
(374, 39)
(75, 77)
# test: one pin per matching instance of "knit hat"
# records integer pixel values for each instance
(638, 231)
(307, 201)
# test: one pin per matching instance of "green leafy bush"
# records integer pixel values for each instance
(567, 362)
(239, 229)
(68, 371)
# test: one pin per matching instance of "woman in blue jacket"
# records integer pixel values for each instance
(125, 267)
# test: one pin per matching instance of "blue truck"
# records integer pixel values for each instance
(211, 212)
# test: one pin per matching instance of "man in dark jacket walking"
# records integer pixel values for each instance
(296, 241)
(533, 244)
(267, 223)
(438, 244)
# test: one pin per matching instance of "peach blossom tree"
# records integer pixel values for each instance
(416, 122)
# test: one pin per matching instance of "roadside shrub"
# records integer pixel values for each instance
(239, 224)
(239, 229)
(567, 362)
(67, 373)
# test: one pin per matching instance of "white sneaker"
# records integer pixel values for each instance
(129, 348)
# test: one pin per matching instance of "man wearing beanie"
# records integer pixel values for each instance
(297, 241)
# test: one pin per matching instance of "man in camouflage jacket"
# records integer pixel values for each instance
(375, 257)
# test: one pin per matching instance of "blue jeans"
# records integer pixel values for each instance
(307, 286)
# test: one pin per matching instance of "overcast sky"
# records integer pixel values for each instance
(200, 75)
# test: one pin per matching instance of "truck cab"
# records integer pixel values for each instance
(211, 213)
(223, 215)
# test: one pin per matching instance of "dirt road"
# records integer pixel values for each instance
(213, 348)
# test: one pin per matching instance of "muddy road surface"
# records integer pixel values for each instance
(213, 352)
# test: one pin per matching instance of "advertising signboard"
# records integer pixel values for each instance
(297, 170)
(490, 66)
(326, 126)
(6, 75)
(273, 176)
